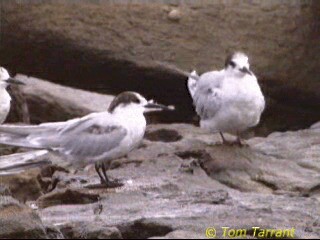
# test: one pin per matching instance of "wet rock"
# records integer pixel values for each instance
(19, 221)
(66, 196)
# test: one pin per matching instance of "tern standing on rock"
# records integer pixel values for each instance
(96, 138)
(5, 99)
(229, 100)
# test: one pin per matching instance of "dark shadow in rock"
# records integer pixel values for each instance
(163, 135)
(53, 233)
(48, 171)
(67, 196)
(197, 154)
(266, 183)
(143, 229)
(315, 190)
(5, 190)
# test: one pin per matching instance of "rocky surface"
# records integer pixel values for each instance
(47, 101)
(181, 180)
(25, 186)
(18, 220)
(108, 47)
(179, 186)
(42, 101)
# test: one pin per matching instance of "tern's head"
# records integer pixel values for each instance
(5, 78)
(132, 101)
(238, 63)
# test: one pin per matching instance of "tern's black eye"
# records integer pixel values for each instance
(136, 100)
(232, 64)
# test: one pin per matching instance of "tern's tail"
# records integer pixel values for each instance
(192, 82)
(23, 136)
(178, 70)
(18, 162)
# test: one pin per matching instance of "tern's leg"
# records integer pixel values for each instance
(101, 169)
(239, 142)
(224, 141)
(97, 166)
(110, 184)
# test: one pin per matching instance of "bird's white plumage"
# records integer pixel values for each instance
(5, 102)
(228, 100)
(96, 137)
(5, 99)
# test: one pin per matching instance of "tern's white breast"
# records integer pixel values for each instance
(241, 106)
(135, 124)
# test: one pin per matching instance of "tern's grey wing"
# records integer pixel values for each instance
(207, 96)
(48, 135)
(44, 128)
(92, 141)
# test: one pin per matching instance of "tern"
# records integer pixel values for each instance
(5, 98)
(97, 138)
(229, 100)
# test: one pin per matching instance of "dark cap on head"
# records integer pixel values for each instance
(228, 60)
(123, 98)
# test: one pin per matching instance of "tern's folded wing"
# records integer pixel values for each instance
(46, 135)
(208, 95)
(94, 140)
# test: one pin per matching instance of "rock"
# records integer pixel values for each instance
(174, 15)
(53, 233)
(95, 230)
(163, 135)
(181, 234)
(143, 229)
(262, 185)
(4, 190)
(66, 196)
(19, 221)
(23, 186)
(316, 125)
(71, 45)
(52, 102)
(19, 111)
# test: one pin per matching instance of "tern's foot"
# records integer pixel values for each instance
(110, 184)
(113, 184)
(232, 143)
(238, 142)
